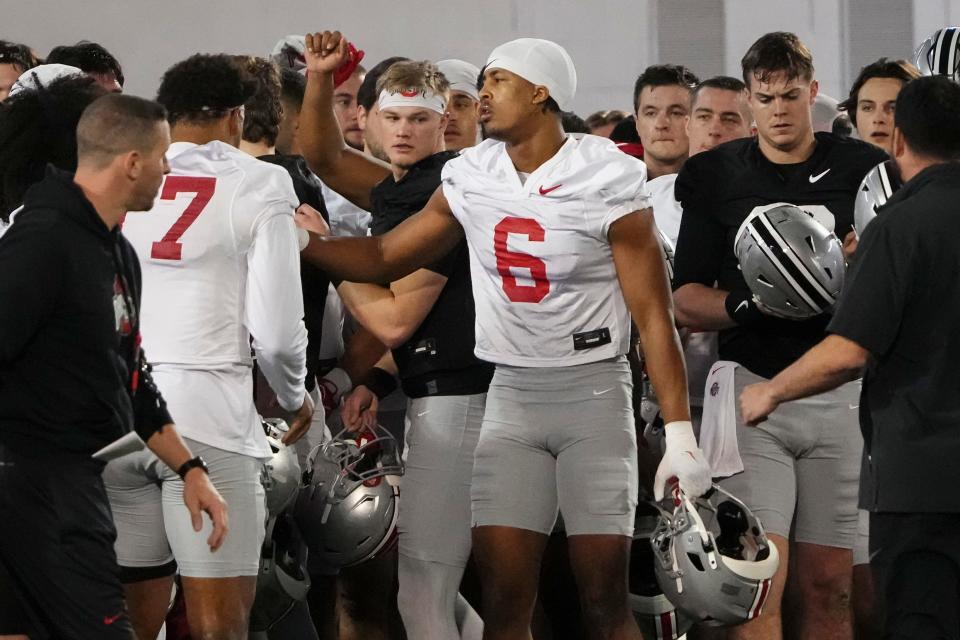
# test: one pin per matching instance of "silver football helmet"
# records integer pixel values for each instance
(347, 509)
(281, 474)
(656, 616)
(877, 187)
(793, 265)
(939, 54)
(282, 580)
(713, 559)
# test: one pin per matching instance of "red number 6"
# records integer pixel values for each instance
(507, 259)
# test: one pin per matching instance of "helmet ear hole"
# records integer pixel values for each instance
(763, 280)
(828, 272)
(695, 561)
(809, 241)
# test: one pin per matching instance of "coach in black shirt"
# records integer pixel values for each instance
(73, 379)
(899, 317)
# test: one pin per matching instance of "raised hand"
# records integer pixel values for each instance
(325, 51)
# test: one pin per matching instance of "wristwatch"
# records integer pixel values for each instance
(191, 464)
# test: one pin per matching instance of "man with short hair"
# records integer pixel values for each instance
(548, 219)
(345, 106)
(463, 116)
(94, 60)
(426, 320)
(219, 257)
(661, 103)
(73, 379)
(719, 113)
(896, 323)
(800, 468)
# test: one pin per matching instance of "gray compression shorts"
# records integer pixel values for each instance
(558, 437)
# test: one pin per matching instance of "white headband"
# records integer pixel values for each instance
(412, 98)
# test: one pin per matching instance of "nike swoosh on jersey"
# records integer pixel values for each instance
(742, 304)
(600, 393)
(544, 192)
(814, 178)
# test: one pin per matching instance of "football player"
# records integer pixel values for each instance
(802, 466)
(561, 240)
(219, 260)
(420, 317)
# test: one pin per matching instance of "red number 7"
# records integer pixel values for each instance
(168, 248)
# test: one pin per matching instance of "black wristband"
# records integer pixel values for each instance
(742, 310)
(381, 382)
(192, 463)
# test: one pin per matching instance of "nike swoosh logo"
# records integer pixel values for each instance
(423, 413)
(817, 177)
(544, 192)
(111, 619)
(742, 304)
(600, 393)
(854, 406)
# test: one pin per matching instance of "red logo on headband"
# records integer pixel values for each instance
(410, 93)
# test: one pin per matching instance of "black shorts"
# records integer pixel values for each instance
(59, 569)
(916, 561)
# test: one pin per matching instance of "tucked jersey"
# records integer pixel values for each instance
(719, 188)
(543, 277)
(220, 263)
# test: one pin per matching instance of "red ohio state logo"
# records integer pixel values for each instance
(409, 93)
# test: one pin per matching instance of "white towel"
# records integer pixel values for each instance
(718, 431)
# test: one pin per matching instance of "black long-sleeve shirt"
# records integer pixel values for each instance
(72, 376)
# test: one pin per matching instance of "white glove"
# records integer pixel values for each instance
(684, 461)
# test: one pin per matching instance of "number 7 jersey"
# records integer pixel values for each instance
(544, 281)
(218, 245)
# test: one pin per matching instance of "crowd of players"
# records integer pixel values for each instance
(443, 260)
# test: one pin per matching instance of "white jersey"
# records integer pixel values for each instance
(700, 350)
(666, 209)
(544, 282)
(220, 262)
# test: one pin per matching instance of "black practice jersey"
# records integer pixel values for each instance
(719, 188)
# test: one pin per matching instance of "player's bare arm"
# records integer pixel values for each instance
(700, 307)
(393, 314)
(350, 173)
(416, 242)
(643, 280)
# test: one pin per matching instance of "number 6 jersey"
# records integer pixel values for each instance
(544, 281)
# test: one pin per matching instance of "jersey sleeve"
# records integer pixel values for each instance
(274, 304)
(624, 191)
(876, 288)
(701, 240)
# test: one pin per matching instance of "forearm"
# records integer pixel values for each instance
(321, 140)
(362, 352)
(375, 307)
(353, 259)
(831, 363)
(702, 308)
(167, 445)
(664, 359)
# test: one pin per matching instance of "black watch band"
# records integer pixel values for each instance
(192, 463)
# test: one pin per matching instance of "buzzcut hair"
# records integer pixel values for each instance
(774, 53)
(204, 87)
(263, 110)
(89, 57)
(38, 128)
(293, 86)
(724, 83)
(928, 116)
(882, 68)
(116, 124)
(663, 75)
(367, 95)
(410, 74)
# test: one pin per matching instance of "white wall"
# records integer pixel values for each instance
(610, 40)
